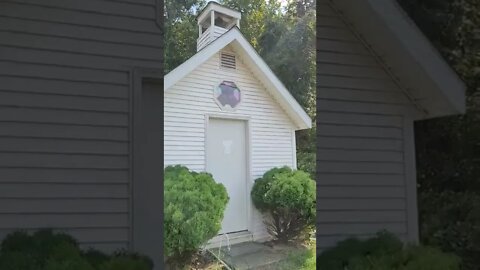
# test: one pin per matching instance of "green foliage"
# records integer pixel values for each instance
(382, 252)
(302, 258)
(293, 59)
(339, 256)
(193, 211)
(46, 250)
(74, 263)
(17, 260)
(36, 248)
(306, 161)
(288, 197)
(254, 14)
(451, 221)
(125, 263)
(181, 31)
(122, 253)
(412, 258)
(95, 258)
(263, 185)
(16, 242)
(46, 243)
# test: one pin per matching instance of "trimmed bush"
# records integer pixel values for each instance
(65, 255)
(36, 249)
(46, 250)
(71, 264)
(95, 258)
(288, 198)
(193, 211)
(17, 261)
(385, 251)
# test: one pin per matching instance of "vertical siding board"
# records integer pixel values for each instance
(364, 174)
(411, 182)
(65, 110)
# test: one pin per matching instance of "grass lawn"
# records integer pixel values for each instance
(304, 258)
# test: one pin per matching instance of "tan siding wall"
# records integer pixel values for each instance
(64, 114)
(361, 144)
(187, 103)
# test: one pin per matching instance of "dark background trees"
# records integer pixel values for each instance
(448, 149)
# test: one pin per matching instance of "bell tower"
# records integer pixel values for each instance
(214, 21)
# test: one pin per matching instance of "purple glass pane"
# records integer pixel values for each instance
(228, 94)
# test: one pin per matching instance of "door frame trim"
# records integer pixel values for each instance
(248, 152)
(137, 77)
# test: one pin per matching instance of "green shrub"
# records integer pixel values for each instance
(385, 251)
(95, 258)
(46, 242)
(125, 263)
(46, 250)
(288, 199)
(193, 211)
(133, 257)
(17, 241)
(17, 261)
(76, 263)
(451, 221)
(36, 248)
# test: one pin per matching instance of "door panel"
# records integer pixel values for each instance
(227, 162)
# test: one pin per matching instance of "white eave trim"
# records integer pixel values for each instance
(300, 117)
(419, 47)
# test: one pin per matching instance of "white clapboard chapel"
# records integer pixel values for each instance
(225, 112)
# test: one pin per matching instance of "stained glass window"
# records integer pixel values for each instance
(227, 94)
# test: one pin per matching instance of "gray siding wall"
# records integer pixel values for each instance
(65, 88)
(365, 151)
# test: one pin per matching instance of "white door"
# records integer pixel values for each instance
(227, 162)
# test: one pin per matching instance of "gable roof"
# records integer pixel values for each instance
(385, 26)
(256, 64)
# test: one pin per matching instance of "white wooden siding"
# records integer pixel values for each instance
(188, 102)
(363, 167)
(209, 36)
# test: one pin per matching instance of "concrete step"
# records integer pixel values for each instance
(229, 239)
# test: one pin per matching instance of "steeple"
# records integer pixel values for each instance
(214, 21)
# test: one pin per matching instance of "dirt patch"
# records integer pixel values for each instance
(203, 260)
